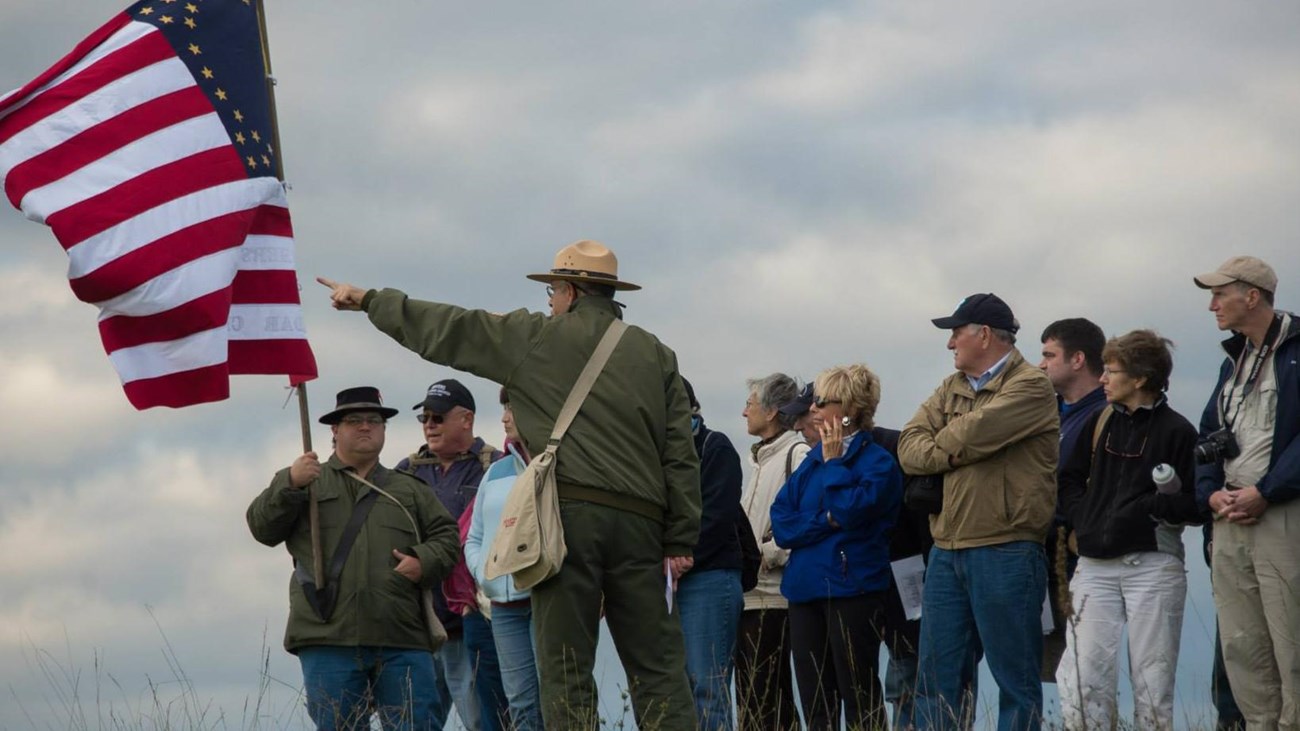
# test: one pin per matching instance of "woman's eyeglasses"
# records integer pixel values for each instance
(820, 402)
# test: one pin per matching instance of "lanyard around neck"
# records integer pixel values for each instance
(1266, 348)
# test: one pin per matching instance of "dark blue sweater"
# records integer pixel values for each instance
(720, 484)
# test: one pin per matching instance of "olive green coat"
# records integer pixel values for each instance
(376, 605)
(630, 446)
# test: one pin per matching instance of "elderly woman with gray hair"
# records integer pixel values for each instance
(764, 690)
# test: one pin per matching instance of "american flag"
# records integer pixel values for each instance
(149, 152)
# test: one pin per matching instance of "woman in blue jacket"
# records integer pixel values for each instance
(512, 610)
(835, 514)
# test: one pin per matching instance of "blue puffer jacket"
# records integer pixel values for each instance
(862, 490)
(488, 504)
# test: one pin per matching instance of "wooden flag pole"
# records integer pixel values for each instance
(313, 508)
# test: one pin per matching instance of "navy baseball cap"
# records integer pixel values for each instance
(980, 309)
(801, 403)
(446, 395)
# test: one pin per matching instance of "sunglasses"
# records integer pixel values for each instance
(427, 418)
(820, 402)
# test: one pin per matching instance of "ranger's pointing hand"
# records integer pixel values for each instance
(342, 295)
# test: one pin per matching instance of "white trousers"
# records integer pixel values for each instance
(1146, 590)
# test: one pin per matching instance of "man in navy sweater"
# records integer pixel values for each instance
(1072, 360)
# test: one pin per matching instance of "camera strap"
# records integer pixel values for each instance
(1271, 339)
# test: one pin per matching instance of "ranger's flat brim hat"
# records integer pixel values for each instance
(1246, 269)
(585, 261)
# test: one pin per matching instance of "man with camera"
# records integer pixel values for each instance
(1248, 475)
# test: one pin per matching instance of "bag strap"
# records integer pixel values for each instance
(350, 532)
(789, 460)
(1101, 426)
(381, 491)
(1102, 418)
(437, 632)
(586, 379)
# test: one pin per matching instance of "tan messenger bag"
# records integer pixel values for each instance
(529, 544)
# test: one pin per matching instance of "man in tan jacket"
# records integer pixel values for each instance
(992, 430)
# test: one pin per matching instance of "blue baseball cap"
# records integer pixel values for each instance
(801, 403)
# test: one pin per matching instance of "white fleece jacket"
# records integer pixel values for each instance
(767, 474)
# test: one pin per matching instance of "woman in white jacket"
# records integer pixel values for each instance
(764, 693)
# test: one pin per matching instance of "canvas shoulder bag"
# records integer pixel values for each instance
(529, 544)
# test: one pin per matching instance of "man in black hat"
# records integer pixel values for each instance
(991, 429)
(452, 461)
(359, 634)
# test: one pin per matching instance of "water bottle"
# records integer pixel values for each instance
(1167, 482)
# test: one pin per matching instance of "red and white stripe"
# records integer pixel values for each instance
(188, 258)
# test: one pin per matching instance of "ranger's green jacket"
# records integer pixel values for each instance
(376, 605)
(630, 446)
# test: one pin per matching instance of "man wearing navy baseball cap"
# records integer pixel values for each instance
(980, 309)
(991, 429)
(452, 461)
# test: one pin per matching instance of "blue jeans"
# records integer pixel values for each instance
(710, 603)
(900, 688)
(512, 629)
(482, 650)
(455, 681)
(990, 599)
(342, 682)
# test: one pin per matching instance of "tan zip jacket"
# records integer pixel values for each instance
(1004, 441)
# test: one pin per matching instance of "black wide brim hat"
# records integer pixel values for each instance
(360, 398)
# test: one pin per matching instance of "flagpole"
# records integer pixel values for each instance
(313, 509)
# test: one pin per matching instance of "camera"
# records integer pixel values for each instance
(1216, 447)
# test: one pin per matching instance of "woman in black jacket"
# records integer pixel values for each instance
(1128, 529)
(709, 595)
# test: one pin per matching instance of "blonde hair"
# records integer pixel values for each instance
(856, 388)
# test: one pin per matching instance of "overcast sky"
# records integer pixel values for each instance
(796, 185)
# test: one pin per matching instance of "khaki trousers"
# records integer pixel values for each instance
(1256, 575)
(616, 555)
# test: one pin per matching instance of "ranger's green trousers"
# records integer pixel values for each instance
(616, 555)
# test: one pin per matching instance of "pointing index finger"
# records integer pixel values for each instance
(327, 282)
